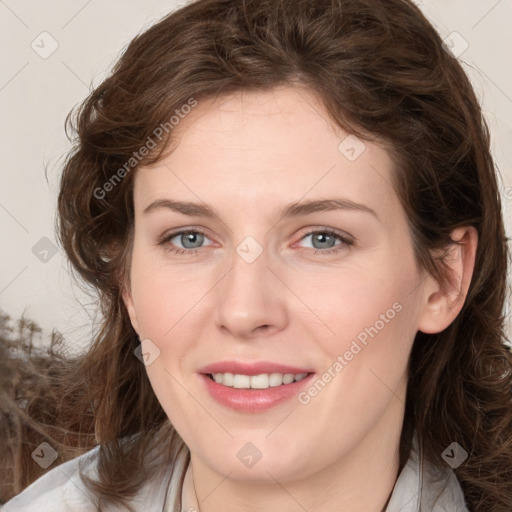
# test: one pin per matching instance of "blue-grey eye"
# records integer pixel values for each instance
(323, 239)
(189, 239)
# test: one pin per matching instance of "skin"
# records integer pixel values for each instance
(247, 156)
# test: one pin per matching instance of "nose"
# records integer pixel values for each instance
(251, 300)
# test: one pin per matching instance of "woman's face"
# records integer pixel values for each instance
(248, 288)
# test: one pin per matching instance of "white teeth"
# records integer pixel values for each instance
(241, 381)
(227, 379)
(262, 381)
(259, 381)
(288, 378)
(276, 379)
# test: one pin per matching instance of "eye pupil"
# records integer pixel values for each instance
(323, 239)
(192, 238)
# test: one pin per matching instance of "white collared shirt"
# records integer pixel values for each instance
(419, 488)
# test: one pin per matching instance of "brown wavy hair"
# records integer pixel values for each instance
(379, 68)
(35, 406)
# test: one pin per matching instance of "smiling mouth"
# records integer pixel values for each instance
(261, 381)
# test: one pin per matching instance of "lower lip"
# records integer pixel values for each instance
(253, 400)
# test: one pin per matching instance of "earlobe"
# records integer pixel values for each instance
(444, 301)
(130, 308)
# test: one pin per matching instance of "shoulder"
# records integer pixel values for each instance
(61, 489)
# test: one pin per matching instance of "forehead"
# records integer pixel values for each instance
(267, 148)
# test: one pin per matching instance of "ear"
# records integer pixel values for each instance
(128, 302)
(442, 303)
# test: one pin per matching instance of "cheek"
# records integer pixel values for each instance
(368, 355)
(366, 300)
(372, 316)
(164, 296)
(376, 333)
(365, 372)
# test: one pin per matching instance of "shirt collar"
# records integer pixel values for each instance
(423, 485)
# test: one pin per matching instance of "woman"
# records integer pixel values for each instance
(290, 212)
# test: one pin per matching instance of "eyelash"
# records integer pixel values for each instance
(345, 241)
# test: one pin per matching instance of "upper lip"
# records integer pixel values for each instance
(254, 368)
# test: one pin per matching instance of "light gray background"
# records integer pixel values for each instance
(36, 94)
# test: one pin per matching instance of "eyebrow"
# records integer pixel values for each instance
(295, 209)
